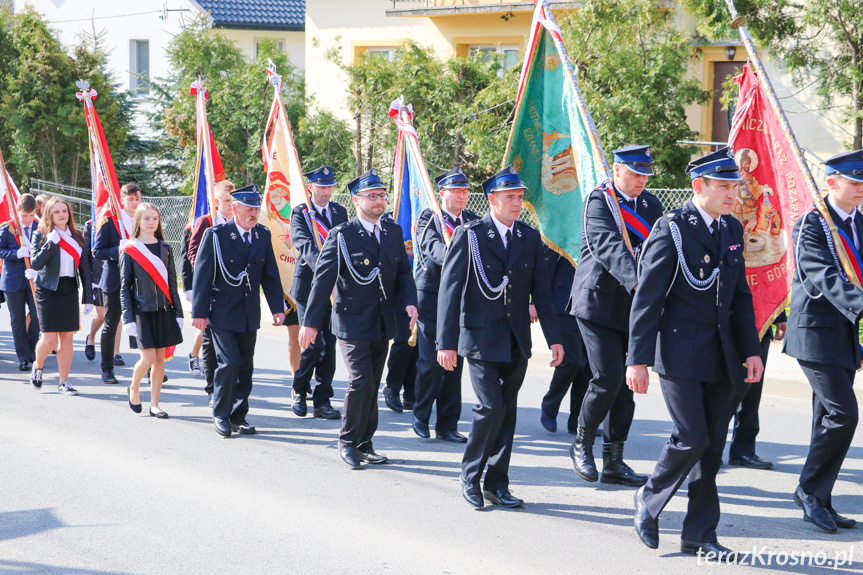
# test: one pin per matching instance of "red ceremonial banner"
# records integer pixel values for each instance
(772, 195)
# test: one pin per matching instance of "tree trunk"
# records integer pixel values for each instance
(857, 97)
(53, 150)
(358, 145)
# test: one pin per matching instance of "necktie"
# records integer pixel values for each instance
(247, 240)
(376, 235)
(632, 205)
(714, 226)
(508, 240)
(849, 229)
(326, 218)
(28, 230)
(458, 222)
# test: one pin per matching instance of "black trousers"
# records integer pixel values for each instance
(834, 419)
(607, 397)
(365, 362)
(700, 412)
(232, 385)
(434, 383)
(25, 338)
(746, 425)
(318, 360)
(113, 317)
(496, 385)
(573, 372)
(208, 353)
(402, 367)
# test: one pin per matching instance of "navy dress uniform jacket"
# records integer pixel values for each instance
(362, 312)
(107, 249)
(12, 278)
(236, 309)
(823, 328)
(473, 325)
(304, 241)
(606, 275)
(678, 329)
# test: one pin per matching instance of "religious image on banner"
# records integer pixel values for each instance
(763, 240)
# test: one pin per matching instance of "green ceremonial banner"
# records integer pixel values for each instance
(550, 143)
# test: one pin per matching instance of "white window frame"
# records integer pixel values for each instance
(134, 80)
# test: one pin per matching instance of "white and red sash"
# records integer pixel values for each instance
(70, 246)
(154, 266)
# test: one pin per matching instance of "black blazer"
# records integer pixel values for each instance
(95, 264)
(304, 241)
(482, 329)
(187, 269)
(107, 249)
(689, 333)
(430, 251)
(12, 278)
(562, 276)
(606, 273)
(138, 291)
(46, 261)
(362, 312)
(227, 307)
(823, 328)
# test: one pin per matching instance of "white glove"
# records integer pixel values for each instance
(23, 252)
(123, 244)
(189, 295)
(95, 286)
(30, 274)
(131, 329)
(180, 322)
(88, 308)
(54, 236)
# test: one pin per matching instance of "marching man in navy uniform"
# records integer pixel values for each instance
(602, 291)
(234, 262)
(365, 261)
(434, 383)
(692, 320)
(319, 359)
(823, 335)
(493, 268)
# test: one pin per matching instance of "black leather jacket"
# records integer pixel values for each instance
(140, 294)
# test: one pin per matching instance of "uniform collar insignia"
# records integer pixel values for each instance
(233, 236)
(643, 202)
(256, 234)
(490, 233)
(693, 220)
(722, 221)
(518, 232)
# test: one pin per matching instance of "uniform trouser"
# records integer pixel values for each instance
(607, 397)
(232, 385)
(746, 426)
(208, 351)
(25, 338)
(319, 359)
(402, 367)
(496, 385)
(700, 412)
(365, 362)
(834, 419)
(435, 384)
(113, 316)
(572, 372)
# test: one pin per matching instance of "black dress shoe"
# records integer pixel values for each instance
(840, 521)
(243, 428)
(108, 377)
(24, 365)
(814, 511)
(408, 405)
(503, 498)
(223, 428)
(158, 414)
(752, 461)
(327, 412)
(371, 457)
(118, 360)
(548, 423)
(135, 408)
(471, 493)
(299, 404)
(90, 352)
(646, 526)
(350, 455)
(421, 429)
(391, 399)
(451, 436)
(720, 553)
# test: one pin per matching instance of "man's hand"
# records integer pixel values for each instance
(30, 274)
(189, 296)
(199, 323)
(308, 335)
(23, 252)
(637, 378)
(780, 331)
(413, 314)
(278, 318)
(447, 358)
(754, 369)
(88, 308)
(531, 310)
(556, 354)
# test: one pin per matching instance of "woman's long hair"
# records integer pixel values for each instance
(46, 224)
(139, 215)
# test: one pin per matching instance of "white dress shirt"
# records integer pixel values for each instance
(372, 228)
(708, 219)
(845, 215)
(502, 229)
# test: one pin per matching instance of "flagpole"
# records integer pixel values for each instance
(13, 212)
(738, 22)
(209, 175)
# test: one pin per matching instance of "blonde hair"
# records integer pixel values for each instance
(46, 225)
(139, 215)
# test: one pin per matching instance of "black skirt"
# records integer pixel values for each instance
(156, 329)
(58, 310)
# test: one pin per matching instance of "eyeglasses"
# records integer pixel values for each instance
(374, 197)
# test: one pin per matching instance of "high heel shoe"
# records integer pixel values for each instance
(158, 414)
(135, 408)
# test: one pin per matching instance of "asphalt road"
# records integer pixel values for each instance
(87, 486)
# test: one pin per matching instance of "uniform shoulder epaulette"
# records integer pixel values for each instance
(105, 220)
(474, 214)
(7, 225)
(473, 224)
(340, 226)
(525, 224)
(674, 214)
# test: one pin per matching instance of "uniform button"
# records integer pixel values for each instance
(507, 314)
(721, 284)
(675, 330)
(720, 304)
(509, 273)
(379, 263)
